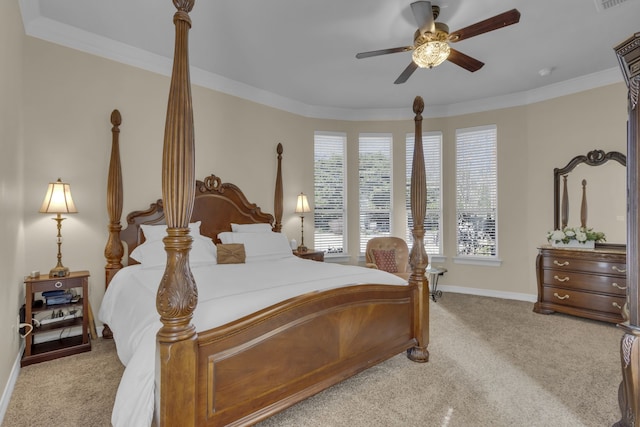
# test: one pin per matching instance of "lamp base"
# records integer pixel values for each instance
(302, 249)
(59, 271)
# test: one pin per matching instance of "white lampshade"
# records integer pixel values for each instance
(58, 199)
(302, 206)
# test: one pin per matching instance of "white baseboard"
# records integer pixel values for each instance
(11, 383)
(488, 293)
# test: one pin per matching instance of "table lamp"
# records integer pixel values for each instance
(302, 207)
(58, 201)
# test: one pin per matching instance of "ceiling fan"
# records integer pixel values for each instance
(431, 40)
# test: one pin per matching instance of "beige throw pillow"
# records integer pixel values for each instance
(230, 253)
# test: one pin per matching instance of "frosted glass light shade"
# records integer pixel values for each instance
(431, 54)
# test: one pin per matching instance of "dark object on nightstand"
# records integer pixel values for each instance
(51, 338)
(312, 255)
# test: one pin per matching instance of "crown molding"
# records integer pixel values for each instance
(52, 31)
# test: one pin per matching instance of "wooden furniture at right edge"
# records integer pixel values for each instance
(628, 53)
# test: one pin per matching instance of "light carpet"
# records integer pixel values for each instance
(493, 362)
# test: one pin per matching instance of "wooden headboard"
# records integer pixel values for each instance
(216, 205)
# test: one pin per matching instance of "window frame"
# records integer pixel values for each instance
(341, 211)
(486, 134)
(364, 232)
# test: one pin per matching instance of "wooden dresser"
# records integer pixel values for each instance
(585, 283)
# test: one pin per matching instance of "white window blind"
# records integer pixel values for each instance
(375, 186)
(432, 152)
(330, 192)
(477, 191)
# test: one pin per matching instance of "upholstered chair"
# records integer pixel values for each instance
(390, 254)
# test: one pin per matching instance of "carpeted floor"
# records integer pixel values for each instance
(492, 363)
(77, 390)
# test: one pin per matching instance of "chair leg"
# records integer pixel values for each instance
(433, 280)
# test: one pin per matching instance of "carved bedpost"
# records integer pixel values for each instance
(277, 198)
(419, 258)
(176, 353)
(114, 250)
(629, 393)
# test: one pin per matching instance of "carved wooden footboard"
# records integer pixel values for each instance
(262, 364)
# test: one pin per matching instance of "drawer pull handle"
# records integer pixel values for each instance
(555, 294)
(615, 285)
(561, 264)
(616, 305)
(58, 284)
(619, 270)
(563, 279)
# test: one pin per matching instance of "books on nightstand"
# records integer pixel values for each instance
(57, 297)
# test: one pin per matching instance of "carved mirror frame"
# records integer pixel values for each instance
(593, 158)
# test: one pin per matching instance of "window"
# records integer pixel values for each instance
(432, 152)
(477, 191)
(375, 186)
(330, 192)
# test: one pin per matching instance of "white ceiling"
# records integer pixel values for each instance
(299, 55)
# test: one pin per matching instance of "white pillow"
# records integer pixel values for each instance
(259, 246)
(152, 254)
(158, 232)
(251, 228)
(226, 237)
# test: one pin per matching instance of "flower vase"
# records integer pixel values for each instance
(589, 244)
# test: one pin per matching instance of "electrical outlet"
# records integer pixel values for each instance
(17, 324)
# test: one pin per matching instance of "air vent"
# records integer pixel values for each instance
(602, 5)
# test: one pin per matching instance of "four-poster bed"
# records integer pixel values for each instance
(241, 371)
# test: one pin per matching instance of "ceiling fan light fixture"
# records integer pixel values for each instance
(431, 54)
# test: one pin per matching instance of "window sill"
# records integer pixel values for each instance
(487, 262)
(437, 259)
(339, 258)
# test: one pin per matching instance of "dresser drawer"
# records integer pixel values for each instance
(572, 298)
(57, 283)
(588, 282)
(560, 262)
(585, 283)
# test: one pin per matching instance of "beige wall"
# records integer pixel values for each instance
(532, 141)
(12, 260)
(68, 97)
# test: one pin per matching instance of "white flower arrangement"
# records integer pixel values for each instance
(579, 234)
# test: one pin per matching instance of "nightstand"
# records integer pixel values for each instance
(60, 328)
(313, 255)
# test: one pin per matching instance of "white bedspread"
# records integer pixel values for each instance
(225, 293)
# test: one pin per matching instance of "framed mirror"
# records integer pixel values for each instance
(595, 197)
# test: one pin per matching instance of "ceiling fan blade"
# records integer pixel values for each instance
(498, 21)
(383, 52)
(464, 61)
(406, 73)
(423, 13)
